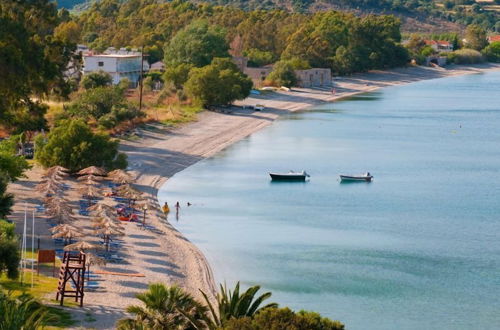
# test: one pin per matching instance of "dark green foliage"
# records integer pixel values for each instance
(197, 44)
(476, 37)
(492, 52)
(233, 305)
(96, 79)
(9, 247)
(465, 56)
(178, 75)
(32, 61)
(22, 312)
(6, 199)
(258, 58)
(165, 308)
(73, 145)
(219, 83)
(283, 75)
(284, 318)
(106, 105)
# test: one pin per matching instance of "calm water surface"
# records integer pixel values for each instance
(418, 248)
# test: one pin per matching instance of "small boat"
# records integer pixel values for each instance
(290, 176)
(367, 177)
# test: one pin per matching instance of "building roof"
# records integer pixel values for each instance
(494, 38)
(113, 55)
(437, 42)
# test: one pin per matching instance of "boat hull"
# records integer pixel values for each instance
(348, 178)
(287, 177)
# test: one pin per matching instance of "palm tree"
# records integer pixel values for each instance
(22, 313)
(165, 308)
(232, 305)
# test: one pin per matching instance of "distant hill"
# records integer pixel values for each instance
(416, 15)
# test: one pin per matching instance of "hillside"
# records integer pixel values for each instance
(416, 15)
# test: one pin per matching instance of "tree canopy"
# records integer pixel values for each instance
(476, 37)
(219, 83)
(73, 145)
(197, 44)
(32, 58)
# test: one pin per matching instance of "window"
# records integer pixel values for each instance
(100, 63)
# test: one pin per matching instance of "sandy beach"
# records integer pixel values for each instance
(167, 256)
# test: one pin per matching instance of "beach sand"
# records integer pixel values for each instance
(159, 154)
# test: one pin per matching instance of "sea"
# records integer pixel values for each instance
(417, 248)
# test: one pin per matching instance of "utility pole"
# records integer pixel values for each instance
(140, 78)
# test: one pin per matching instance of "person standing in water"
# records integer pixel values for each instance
(177, 207)
(165, 208)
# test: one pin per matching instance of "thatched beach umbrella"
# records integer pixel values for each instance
(91, 260)
(49, 186)
(120, 176)
(129, 192)
(61, 214)
(94, 170)
(90, 177)
(101, 206)
(106, 233)
(62, 228)
(90, 191)
(57, 169)
(68, 234)
(81, 246)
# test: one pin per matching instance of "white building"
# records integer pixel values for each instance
(118, 65)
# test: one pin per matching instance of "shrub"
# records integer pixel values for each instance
(219, 83)
(492, 52)
(96, 79)
(178, 75)
(465, 56)
(9, 249)
(283, 74)
(74, 146)
(283, 318)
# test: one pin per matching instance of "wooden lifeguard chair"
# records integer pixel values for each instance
(73, 273)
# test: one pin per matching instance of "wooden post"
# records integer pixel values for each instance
(140, 78)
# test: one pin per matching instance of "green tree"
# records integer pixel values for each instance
(283, 318)
(165, 308)
(197, 44)
(233, 305)
(6, 199)
(97, 102)
(96, 79)
(9, 246)
(476, 37)
(32, 60)
(178, 75)
(258, 58)
(73, 145)
(22, 312)
(283, 74)
(492, 52)
(219, 83)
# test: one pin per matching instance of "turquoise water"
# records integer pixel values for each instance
(418, 248)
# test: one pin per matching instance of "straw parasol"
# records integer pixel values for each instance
(129, 192)
(68, 235)
(94, 170)
(63, 227)
(49, 185)
(81, 246)
(92, 259)
(90, 191)
(120, 176)
(107, 232)
(61, 214)
(58, 169)
(101, 207)
(90, 177)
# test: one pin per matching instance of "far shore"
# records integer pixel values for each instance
(161, 152)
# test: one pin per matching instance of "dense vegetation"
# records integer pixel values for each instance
(341, 41)
(172, 308)
(73, 145)
(429, 12)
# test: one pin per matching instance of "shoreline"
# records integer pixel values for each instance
(161, 153)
